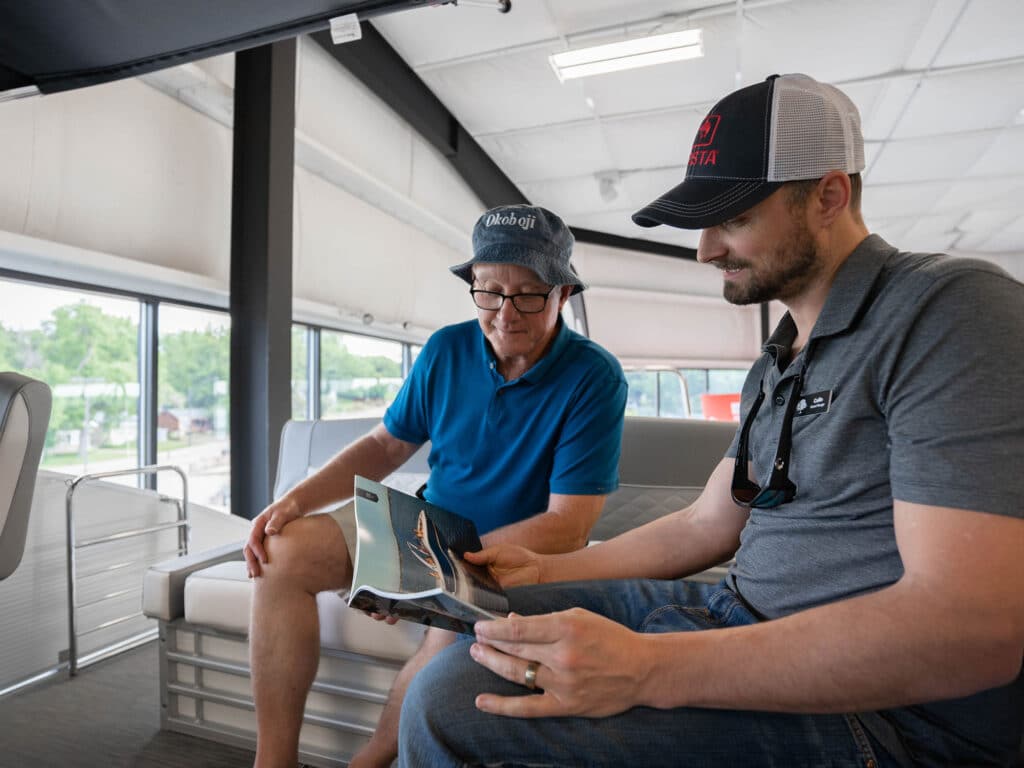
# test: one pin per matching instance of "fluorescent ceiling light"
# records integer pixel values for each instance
(628, 54)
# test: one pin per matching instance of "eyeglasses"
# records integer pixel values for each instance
(780, 489)
(526, 303)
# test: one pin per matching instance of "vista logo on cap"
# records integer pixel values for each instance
(706, 132)
(705, 137)
(510, 219)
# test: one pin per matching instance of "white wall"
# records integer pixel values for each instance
(119, 169)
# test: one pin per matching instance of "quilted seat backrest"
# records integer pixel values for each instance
(664, 466)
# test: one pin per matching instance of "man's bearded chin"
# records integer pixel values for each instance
(792, 266)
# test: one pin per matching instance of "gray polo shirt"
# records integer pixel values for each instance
(921, 357)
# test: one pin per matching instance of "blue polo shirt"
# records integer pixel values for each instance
(498, 448)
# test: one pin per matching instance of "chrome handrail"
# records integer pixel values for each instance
(181, 524)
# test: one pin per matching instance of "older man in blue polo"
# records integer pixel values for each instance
(525, 419)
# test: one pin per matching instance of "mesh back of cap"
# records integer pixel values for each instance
(815, 129)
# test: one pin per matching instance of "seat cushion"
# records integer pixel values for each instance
(163, 586)
(634, 505)
(221, 597)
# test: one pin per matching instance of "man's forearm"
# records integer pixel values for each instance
(685, 542)
(545, 533)
(673, 546)
(893, 647)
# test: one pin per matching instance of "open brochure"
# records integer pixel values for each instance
(409, 562)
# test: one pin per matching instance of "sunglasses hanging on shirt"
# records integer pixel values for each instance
(780, 489)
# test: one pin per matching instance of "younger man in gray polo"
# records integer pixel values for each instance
(890, 424)
(872, 500)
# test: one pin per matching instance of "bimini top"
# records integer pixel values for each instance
(48, 46)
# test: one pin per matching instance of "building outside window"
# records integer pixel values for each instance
(359, 376)
(193, 398)
(683, 393)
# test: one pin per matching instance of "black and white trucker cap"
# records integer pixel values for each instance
(787, 128)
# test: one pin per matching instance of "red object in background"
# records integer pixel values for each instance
(721, 407)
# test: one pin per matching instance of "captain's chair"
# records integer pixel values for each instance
(24, 415)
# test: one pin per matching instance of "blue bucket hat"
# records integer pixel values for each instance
(527, 235)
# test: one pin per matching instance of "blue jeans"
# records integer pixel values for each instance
(440, 726)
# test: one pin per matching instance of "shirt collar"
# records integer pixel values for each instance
(558, 345)
(850, 291)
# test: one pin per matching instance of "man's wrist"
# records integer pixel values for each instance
(293, 505)
(664, 681)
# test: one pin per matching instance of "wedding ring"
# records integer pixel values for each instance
(530, 676)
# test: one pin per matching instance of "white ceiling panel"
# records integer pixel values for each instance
(979, 228)
(937, 26)
(648, 185)
(433, 34)
(1004, 242)
(646, 16)
(499, 94)
(583, 194)
(988, 29)
(666, 139)
(1004, 156)
(930, 234)
(892, 230)
(536, 156)
(901, 199)
(987, 221)
(935, 157)
(1016, 226)
(964, 101)
(827, 38)
(981, 194)
(881, 105)
(871, 152)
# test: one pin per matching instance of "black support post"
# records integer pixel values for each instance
(261, 268)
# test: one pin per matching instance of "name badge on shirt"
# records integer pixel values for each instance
(814, 402)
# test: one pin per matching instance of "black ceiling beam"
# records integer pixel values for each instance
(381, 69)
(633, 244)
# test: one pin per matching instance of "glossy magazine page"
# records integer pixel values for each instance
(409, 564)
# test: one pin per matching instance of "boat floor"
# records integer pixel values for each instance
(108, 716)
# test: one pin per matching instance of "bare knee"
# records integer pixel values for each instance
(309, 553)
